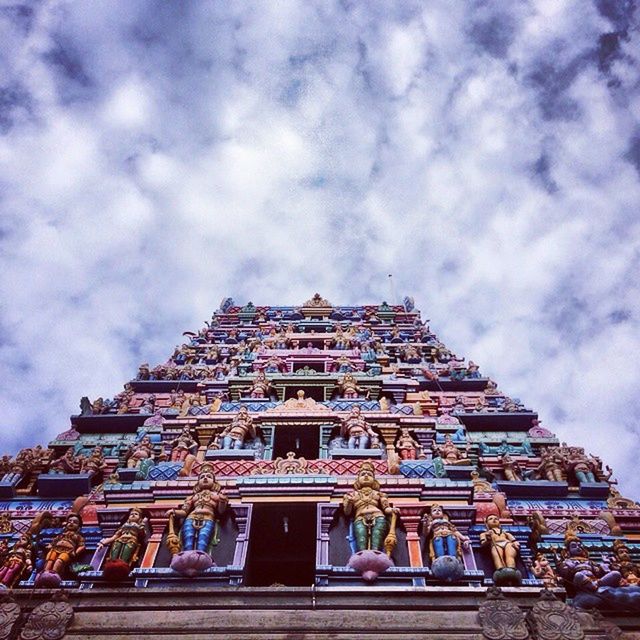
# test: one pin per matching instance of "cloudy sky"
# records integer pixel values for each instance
(158, 156)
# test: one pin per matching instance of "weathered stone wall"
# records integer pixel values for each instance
(309, 614)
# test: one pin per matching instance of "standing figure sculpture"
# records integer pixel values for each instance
(450, 454)
(370, 510)
(356, 432)
(200, 513)
(504, 552)
(61, 551)
(139, 452)
(125, 547)
(445, 544)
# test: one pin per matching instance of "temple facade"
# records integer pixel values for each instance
(315, 471)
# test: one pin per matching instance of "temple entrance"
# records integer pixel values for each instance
(302, 439)
(282, 547)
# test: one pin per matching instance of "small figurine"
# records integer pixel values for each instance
(511, 468)
(407, 446)
(238, 432)
(543, 570)
(348, 388)
(504, 552)
(68, 463)
(356, 432)
(94, 464)
(449, 453)
(140, 452)
(183, 445)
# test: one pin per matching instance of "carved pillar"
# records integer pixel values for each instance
(552, 619)
(502, 619)
(243, 520)
(49, 620)
(410, 517)
(158, 522)
(325, 518)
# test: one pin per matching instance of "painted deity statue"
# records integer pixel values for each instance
(68, 463)
(61, 552)
(125, 545)
(183, 445)
(18, 562)
(407, 446)
(550, 467)
(261, 386)
(369, 508)
(543, 570)
(94, 463)
(238, 432)
(449, 453)
(504, 550)
(356, 432)
(348, 387)
(443, 536)
(511, 468)
(200, 513)
(139, 452)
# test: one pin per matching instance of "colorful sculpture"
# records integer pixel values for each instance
(61, 551)
(238, 433)
(125, 545)
(445, 544)
(373, 520)
(356, 432)
(200, 513)
(504, 550)
(18, 562)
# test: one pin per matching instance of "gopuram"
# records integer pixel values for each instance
(314, 472)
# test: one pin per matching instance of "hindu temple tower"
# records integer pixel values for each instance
(315, 471)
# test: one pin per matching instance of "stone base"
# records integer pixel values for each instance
(447, 568)
(230, 454)
(48, 580)
(354, 454)
(191, 563)
(507, 577)
(369, 564)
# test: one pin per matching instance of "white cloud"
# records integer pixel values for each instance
(159, 157)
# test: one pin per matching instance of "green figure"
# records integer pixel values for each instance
(370, 508)
(127, 541)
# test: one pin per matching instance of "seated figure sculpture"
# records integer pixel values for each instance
(261, 387)
(407, 446)
(183, 445)
(235, 435)
(445, 544)
(369, 510)
(191, 550)
(449, 453)
(139, 453)
(356, 432)
(349, 389)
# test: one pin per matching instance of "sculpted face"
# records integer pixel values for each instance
(366, 477)
(73, 523)
(206, 479)
(135, 516)
(436, 511)
(493, 522)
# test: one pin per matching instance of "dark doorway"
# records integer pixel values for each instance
(303, 440)
(282, 545)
